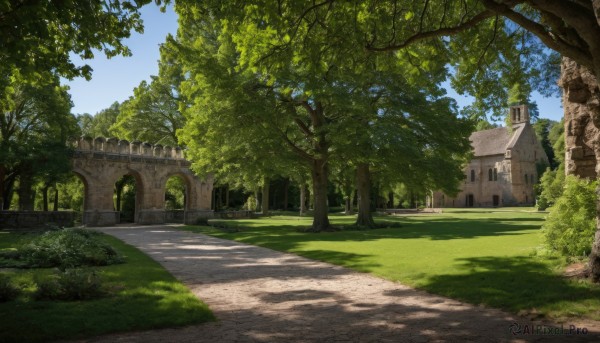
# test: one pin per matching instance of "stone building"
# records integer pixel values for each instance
(504, 167)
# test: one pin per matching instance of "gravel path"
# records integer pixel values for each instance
(260, 295)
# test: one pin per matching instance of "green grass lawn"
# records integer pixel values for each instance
(481, 256)
(145, 296)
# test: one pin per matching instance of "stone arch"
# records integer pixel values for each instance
(100, 162)
(140, 184)
(86, 192)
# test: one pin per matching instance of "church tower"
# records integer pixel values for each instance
(519, 114)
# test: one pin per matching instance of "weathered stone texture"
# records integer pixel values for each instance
(101, 162)
(581, 103)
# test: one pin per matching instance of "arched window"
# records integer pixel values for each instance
(472, 175)
(490, 175)
(526, 179)
(495, 174)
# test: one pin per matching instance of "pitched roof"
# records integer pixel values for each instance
(494, 141)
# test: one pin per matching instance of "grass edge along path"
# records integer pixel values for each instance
(483, 256)
(144, 296)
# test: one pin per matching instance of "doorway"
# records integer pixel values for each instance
(495, 200)
(470, 200)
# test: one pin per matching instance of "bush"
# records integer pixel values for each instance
(571, 224)
(65, 249)
(8, 291)
(250, 204)
(71, 284)
(550, 187)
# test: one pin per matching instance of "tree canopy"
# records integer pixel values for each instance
(316, 102)
(35, 126)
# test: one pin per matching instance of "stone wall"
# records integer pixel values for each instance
(101, 162)
(581, 103)
(35, 219)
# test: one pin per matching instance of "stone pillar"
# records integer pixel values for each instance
(198, 206)
(99, 206)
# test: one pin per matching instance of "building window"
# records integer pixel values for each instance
(495, 174)
(490, 175)
(531, 178)
(526, 179)
(472, 175)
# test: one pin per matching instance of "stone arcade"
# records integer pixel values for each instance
(101, 162)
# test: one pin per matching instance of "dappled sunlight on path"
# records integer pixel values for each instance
(262, 295)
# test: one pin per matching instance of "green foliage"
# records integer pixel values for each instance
(152, 113)
(542, 128)
(102, 122)
(71, 194)
(323, 109)
(64, 249)
(251, 203)
(569, 229)
(8, 290)
(70, 284)
(36, 126)
(556, 136)
(550, 188)
(143, 296)
(44, 36)
(175, 193)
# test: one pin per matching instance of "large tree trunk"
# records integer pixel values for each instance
(286, 185)
(321, 209)
(2, 176)
(348, 205)
(9, 189)
(45, 198)
(26, 193)
(265, 197)
(55, 206)
(256, 202)
(302, 199)
(227, 196)
(363, 185)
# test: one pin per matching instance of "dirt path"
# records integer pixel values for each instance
(260, 295)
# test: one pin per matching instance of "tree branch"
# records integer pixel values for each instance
(444, 31)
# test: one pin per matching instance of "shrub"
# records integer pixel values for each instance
(66, 249)
(250, 204)
(70, 284)
(8, 291)
(571, 224)
(550, 187)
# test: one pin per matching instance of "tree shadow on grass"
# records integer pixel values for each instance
(284, 237)
(514, 284)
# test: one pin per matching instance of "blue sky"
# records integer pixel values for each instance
(114, 79)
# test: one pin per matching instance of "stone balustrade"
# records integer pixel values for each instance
(124, 147)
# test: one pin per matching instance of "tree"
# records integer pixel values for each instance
(42, 36)
(569, 27)
(302, 97)
(152, 113)
(35, 126)
(103, 121)
(542, 129)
